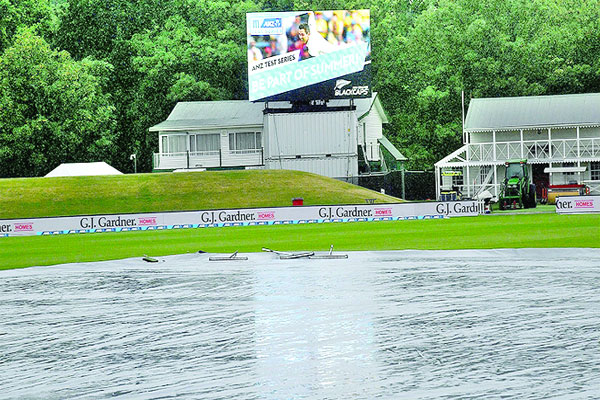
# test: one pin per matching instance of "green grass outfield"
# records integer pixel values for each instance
(483, 232)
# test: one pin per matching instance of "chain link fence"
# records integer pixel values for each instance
(408, 185)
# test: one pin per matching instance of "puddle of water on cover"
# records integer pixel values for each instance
(421, 325)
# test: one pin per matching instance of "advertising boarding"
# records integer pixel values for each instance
(577, 204)
(236, 217)
(306, 55)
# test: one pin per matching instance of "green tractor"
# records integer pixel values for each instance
(516, 190)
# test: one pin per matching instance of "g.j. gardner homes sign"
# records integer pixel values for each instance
(241, 217)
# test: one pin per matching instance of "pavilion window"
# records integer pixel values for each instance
(205, 142)
(245, 141)
(595, 170)
(174, 144)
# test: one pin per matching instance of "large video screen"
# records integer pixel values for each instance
(306, 55)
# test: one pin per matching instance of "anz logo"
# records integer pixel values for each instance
(271, 23)
(266, 26)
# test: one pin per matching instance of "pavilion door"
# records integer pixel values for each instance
(540, 178)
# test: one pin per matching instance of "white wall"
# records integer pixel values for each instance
(374, 131)
(333, 167)
(324, 143)
(291, 134)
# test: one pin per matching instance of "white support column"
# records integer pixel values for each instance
(468, 181)
(496, 180)
(549, 144)
(438, 191)
(468, 160)
(578, 153)
(521, 131)
(578, 159)
(494, 143)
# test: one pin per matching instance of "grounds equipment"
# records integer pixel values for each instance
(571, 189)
(517, 191)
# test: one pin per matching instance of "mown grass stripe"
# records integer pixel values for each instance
(483, 232)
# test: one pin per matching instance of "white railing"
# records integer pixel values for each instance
(494, 189)
(236, 158)
(208, 159)
(589, 147)
(593, 185)
(556, 149)
(246, 151)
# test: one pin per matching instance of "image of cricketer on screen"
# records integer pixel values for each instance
(291, 50)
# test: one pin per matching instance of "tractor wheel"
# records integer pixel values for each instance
(532, 200)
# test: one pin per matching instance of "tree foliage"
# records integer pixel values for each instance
(52, 108)
(83, 80)
(15, 14)
(494, 48)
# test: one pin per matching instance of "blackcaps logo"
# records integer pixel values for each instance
(339, 91)
(340, 83)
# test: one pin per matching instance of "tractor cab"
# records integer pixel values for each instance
(516, 169)
(516, 190)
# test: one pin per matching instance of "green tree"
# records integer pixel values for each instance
(15, 14)
(103, 29)
(52, 109)
(96, 28)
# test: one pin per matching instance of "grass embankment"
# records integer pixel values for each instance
(120, 194)
(484, 232)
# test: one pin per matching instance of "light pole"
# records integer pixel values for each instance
(134, 158)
